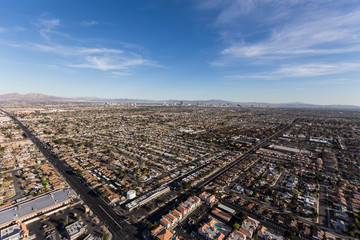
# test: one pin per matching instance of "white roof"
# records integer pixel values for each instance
(230, 210)
(20, 210)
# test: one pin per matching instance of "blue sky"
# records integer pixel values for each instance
(240, 50)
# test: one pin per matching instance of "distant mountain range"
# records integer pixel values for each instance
(38, 97)
(30, 97)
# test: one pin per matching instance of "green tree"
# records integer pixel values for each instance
(314, 228)
(236, 226)
(242, 215)
(314, 214)
(289, 234)
(45, 182)
(149, 226)
(65, 222)
(78, 172)
(106, 236)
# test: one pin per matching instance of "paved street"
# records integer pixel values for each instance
(19, 192)
(266, 222)
(198, 188)
(323, 208)
(119, 228)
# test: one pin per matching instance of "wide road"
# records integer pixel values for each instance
(119, 228)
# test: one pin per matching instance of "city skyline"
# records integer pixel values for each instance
(241, 51)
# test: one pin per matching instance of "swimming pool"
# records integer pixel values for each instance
(217, 226)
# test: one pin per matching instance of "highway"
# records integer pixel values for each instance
(119, 228)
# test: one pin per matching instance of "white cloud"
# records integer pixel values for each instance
(105, 59)
(46, 48)
(115, 63)
(14, 45)
(13, 29)
(339, 33)
(317, 69)
(301, 71)
(258, 76)
(229, 11)
(120, 74)
(19, 29)
(47, 25)
(89, 23)
(73, 51)
(99, 50)
(275, 33)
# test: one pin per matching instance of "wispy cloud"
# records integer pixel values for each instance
(331, 35)
(89, 23)
(99, 50)
(230, 11)
(19, 29)
(3, 29)
(71, 50)
(120, 60)
(293, 38)
(121, 74)
(47, 25)
(250, 76)
(105, 59)
(301, 71)
(115, 63)
(12, 29)
(312, 70)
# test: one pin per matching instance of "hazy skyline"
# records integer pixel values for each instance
(239, 50)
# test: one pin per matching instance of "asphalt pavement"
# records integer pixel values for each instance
(118, 227)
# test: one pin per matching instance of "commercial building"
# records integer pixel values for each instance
(227, 209)
(221, 214)
(75, 230)
(147, 197)
(289, 149)
(29, 209)
(15, 232)
(131, 194)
